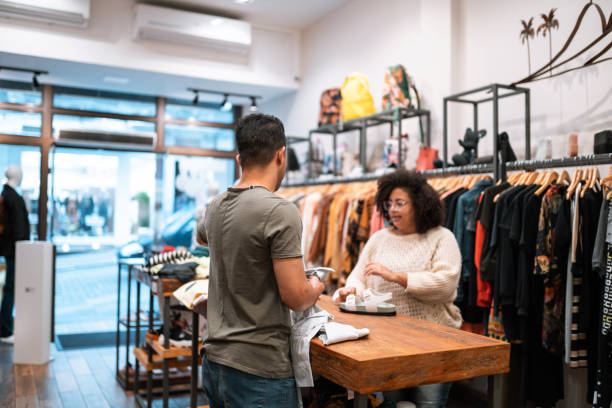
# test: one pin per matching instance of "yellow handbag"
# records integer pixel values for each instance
(357, 100)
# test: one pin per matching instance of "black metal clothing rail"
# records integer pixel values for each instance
(497, 91)
(389, 117)
(529, 165)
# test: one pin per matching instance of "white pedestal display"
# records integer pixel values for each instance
(33, 287)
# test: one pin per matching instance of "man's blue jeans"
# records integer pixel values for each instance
(227, 387)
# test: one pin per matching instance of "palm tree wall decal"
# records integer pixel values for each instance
(561, 61)
(525, 34)
(549, 23)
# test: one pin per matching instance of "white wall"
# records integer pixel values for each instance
(451, 46)
(579, 101)
(273, 60)
(367, 37)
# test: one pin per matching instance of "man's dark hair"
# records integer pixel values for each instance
(258, 137)
(428, 208)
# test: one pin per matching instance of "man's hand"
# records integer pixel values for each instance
(316, 284)
(199, 305)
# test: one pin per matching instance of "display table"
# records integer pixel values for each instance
(402, 352)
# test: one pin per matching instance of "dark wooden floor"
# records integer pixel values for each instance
(76, 378)
(85, 378)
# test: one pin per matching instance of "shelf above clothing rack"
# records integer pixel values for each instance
(529, 165)
(390, 117)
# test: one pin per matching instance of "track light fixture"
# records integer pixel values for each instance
(35, 74)
(223, 102)
(226, 104)
(35, 83)
(196, 97)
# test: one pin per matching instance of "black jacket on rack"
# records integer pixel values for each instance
(16, 223)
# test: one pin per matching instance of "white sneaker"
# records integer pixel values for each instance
(8, 340)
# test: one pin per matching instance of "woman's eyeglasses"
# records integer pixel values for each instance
(399, 204)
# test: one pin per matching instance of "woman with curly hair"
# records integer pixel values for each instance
(415, 259)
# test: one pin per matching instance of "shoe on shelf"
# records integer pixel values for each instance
(8, 339)
(154, 335)
(177, 339)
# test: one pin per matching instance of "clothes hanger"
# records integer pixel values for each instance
(532, 177)
(564, 176)
(574, 184)
(551, 177)
(587, 180)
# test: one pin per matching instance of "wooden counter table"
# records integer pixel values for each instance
(402, 352)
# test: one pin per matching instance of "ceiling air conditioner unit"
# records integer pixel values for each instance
(187, 28)
(73, 13)
(98, 139)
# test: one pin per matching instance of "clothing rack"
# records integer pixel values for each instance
(529, 165)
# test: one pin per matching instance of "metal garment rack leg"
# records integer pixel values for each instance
(335, 153)
(399, 142)
(118, 332)
(150, 355)
(495, 133)
(195, 335)
(445, 133)
(128, 325)
(309, 155)
(166, 362)
(137, 342)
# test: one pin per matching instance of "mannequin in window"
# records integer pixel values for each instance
(14, 226)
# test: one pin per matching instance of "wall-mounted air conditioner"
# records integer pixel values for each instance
(98, 139)
(187, 28)
(63, 12)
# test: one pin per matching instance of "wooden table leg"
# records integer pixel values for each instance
(361, 400)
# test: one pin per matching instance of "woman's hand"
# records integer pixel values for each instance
(374, 268)
(342, 293)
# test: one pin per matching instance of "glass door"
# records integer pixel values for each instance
(100, 201)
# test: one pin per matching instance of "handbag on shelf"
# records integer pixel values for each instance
(331, 106)
(396, 88)
(357, 100)
(426, 158)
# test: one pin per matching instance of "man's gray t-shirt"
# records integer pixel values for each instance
(248, 324)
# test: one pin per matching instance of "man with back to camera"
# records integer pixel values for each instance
(256, 276)
(15, 227)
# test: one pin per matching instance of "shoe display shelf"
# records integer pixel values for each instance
(490, 93)
(179, 365)
(390, 117)
(125, 271)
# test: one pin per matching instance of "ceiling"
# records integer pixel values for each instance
(294, 14)
(90, 76)
(291, 14)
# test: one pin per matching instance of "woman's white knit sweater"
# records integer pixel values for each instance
(432, 264)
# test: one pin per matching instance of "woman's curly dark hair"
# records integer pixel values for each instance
(428, 208)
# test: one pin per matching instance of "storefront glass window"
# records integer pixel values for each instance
(103, 102)
(101, 124)
(210, 113)
(199, 136)
(20, 123)
(28, 159)
(102, 203)
(19, 93)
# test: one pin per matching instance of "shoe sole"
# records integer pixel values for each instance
(393, 313)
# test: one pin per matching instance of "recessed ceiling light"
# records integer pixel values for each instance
(243, 1)
(116, 80)
(216, 21)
